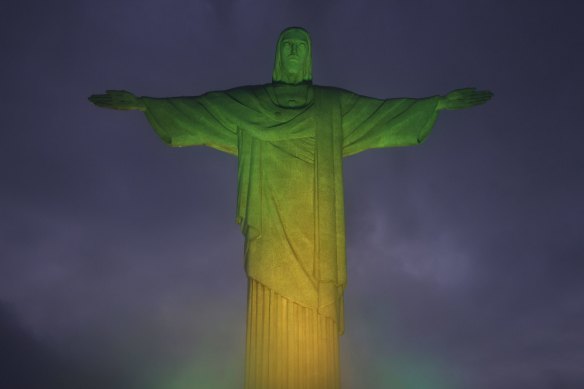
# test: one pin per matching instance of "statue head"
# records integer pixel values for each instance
(293, 63)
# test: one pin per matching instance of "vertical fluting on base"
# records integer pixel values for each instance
(288, 346)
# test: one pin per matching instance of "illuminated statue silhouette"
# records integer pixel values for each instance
(290, 137)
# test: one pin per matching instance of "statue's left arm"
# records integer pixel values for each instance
(375, 123)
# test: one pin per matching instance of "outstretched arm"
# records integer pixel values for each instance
(207, 120)
(464, 98)
(374, 123)
(370, 123)
(118, 99)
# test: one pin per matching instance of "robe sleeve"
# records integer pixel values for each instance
(206, 120)
(369, 123)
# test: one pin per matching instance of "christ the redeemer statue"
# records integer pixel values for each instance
(290, 137)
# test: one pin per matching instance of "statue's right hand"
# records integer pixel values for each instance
(118, 99)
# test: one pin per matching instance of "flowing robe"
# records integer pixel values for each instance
(290, 189)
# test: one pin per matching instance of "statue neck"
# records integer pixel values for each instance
(292, 95)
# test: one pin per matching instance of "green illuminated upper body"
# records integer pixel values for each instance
(290, 138)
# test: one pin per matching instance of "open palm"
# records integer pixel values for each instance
(464, 98)
(118, 99)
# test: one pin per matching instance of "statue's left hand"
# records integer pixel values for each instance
(464, 98)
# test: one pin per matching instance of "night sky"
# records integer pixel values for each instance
(121, 265)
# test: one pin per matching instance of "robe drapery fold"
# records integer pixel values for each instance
(288, 346)
(290, 180)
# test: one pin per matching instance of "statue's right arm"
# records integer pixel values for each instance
(118, 99)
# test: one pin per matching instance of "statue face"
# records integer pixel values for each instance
(293, 62)
(294, 51)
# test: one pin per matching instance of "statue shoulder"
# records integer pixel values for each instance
(334, 91)
(240, 91)
(342, 96)
(246, 95)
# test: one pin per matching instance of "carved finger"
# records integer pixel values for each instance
(104, 105)
(485, 98)
(468, 104)
(474, 102)
(475, 96)
(101, 97)
(459, 105)
(478, 98)
(484, 94)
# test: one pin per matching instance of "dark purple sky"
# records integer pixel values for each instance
(121, 264)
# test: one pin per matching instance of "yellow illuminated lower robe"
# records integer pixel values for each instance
(288, 346)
